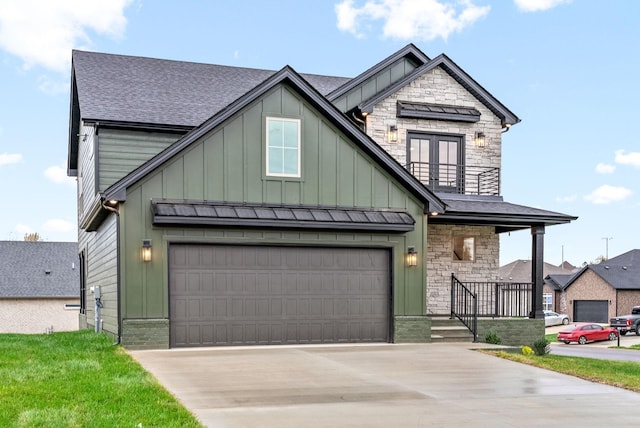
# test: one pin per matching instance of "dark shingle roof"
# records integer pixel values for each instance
(622, 272)
(134, 89)
(24, 266)
(520, 271)
(558, 282)
(299, 217)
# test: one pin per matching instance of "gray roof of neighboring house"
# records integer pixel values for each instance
(558, 281)
(24, 266)
(520, 271)
(135, 89)
(621, 272)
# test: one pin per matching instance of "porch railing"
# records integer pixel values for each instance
(464, 306)
(471, 300)
(460, 179)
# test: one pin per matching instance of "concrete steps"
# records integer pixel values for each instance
(444, 329)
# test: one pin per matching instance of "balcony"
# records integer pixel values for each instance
(459, 179)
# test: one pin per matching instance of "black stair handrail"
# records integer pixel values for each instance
(464, 306)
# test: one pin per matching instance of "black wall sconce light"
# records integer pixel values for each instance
(393, 133)
(146, 250)
(412, 257)
(481, 141)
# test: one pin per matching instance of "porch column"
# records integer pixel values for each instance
(537, 278)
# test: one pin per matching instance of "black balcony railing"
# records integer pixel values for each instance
(460, 179)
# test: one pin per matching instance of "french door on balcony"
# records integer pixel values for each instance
(437, 161)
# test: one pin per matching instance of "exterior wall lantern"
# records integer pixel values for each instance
(393, 133)
(412, 257)
(480, 140)
(146, 250)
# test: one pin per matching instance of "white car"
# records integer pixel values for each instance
(554, 318)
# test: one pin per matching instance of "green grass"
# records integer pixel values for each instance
(80, 379)
(622, 374)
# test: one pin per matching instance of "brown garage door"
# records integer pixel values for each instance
(259, 295)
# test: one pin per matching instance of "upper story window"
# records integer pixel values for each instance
(283, 147)
(436, 160)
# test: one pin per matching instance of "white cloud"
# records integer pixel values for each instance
(58, 174)
(57, 225)
(9, 158)
(43, 32)
(423, 20)
(607, 194)
(564, 199)
(52, 87)
(23, 229)
(603, 168)
(632, 158)
(538, 5)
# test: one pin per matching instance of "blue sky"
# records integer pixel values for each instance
(568, 69)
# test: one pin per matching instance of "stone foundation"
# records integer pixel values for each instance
(145, 333)
(512, 331)
(412, 329)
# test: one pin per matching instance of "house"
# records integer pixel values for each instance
(599, 292)
(223, 205)
(38, 286)
(519, 271)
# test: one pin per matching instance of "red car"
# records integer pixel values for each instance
(584, 333)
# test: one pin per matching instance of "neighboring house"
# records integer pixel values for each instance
(599, 292)
(554, 292)
(38, 286)
(223, 205)
(519, 271)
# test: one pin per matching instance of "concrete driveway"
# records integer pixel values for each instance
(440, 385)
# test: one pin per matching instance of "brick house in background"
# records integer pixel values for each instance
(599, 292)
(223, 205)
(38, 286)
(520, 271)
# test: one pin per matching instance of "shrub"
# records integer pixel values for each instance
(492, 337)
(526, 350)
(541, 346)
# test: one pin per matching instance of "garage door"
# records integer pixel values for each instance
(259, 295)
(590, 311)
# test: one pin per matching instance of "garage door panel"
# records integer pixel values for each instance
(591, 311)
(232, 295)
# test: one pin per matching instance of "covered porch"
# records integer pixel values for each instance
(463, 260)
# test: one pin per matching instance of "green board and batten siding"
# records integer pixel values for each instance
(375, 84)
(121, 151)
(228, 165)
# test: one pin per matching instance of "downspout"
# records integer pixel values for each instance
(118, 305)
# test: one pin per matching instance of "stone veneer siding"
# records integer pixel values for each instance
(437, 87)
(411, 329)
(590, 286)
(512, 331)
(145, 333)
(440, 263)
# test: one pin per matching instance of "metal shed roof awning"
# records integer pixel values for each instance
(437, 112)
(204, 213)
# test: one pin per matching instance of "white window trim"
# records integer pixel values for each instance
(283, 119)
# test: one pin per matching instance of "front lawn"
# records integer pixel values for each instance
(622, 374)
(78, 379)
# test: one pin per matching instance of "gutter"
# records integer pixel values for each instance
(114, 210)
